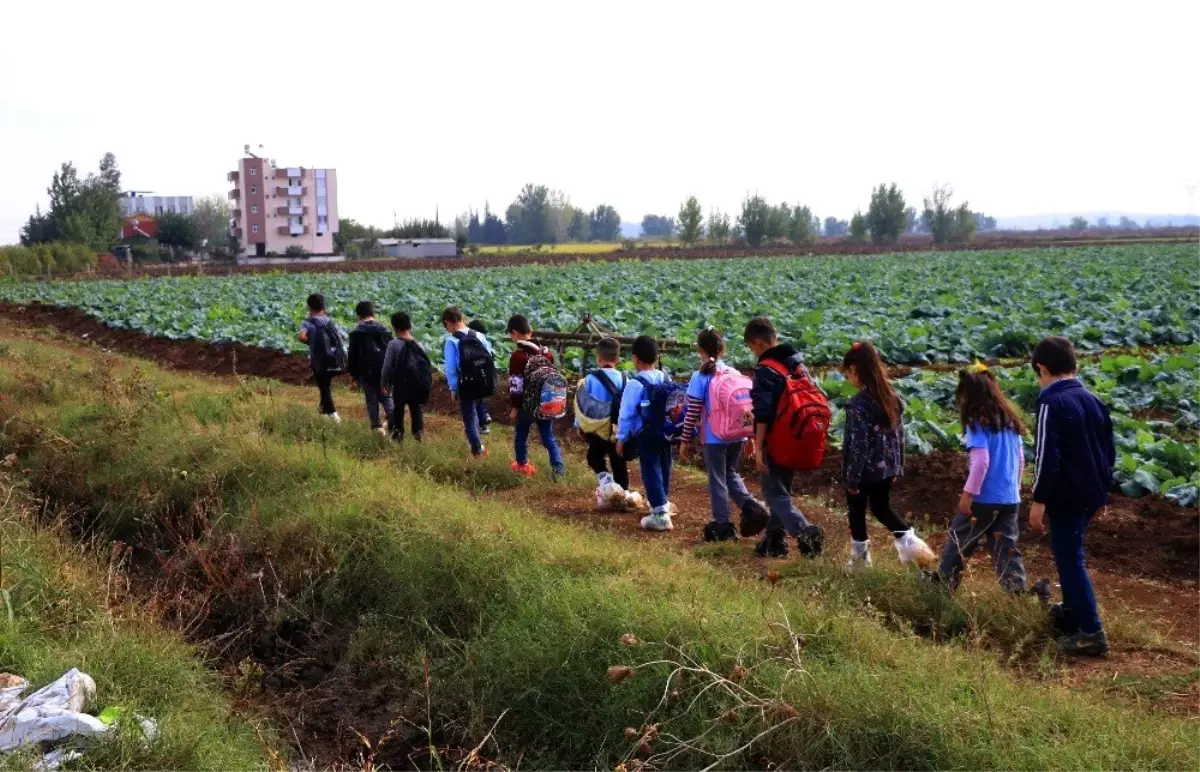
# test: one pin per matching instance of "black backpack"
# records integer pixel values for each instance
(476, 368)
(328, 351)
(374, 349)
(412, 380)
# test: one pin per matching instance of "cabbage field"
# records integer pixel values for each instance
(949, 307)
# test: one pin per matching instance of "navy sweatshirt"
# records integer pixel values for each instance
(1075, 448)
(768, 384)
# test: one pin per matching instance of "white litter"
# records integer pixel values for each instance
(54, 712)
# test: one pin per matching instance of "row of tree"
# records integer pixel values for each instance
(82, 211)
(539, 215)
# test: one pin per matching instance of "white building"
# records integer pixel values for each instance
(155, 206)
(419, 247)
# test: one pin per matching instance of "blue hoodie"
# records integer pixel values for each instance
(630, 423)
(1075, 448)
(450, 357)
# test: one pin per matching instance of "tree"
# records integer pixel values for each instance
(1102, 223)
(416, 229)
(691, 228)
(886, 218)
(752, 222)
(580, 228)
(176, 232)
(858, 227)
(985, 223)
(349, 231)
(718, 226)
(965, 223)
(493, 228)
(86, 211)
(658, 226)
(604, 223)
(210, 220)
(1078, 224)
(39, 229)
(560, 215)
(835, 227)
(1128, 225)
(295, 250)
(804, 226)
(529, 216)
(945, 223)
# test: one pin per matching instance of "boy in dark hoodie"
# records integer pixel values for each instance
(761, 338)
(364, 361)
(324, 347)
(1072, 476)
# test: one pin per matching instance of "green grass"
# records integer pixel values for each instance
(56, 595)
(515, 616)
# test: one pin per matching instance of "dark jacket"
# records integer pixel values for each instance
(368, 344)
(768, 384)
(1075, 448)
(871, 450)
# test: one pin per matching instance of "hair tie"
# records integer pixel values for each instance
(857, 344)
(978, 367)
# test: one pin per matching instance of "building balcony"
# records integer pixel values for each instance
(293, 211)
(291, 190)
(293, 230)
(292, 172)
(235, 194)
(235, 214)
(232, 176)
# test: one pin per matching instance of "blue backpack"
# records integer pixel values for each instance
(663, 408)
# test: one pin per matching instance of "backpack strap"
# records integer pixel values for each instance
(776, 366)
(607, 383)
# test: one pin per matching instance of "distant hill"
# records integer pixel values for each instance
(1061, 220)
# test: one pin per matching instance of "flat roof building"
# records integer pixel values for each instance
(275, 207)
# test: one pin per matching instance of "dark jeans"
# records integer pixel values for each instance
(1067, 529)
(997, 522)
(776, 485)
(546, 431)
(601, 454)
(878, 496)
(724, 482)
(654, 453)
(470, 418)
(325, 387)
(417, 411)
(485, 417)
(375, 400)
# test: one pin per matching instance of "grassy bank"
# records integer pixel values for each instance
(56, 615)
(478, 612)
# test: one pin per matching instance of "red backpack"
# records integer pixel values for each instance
(796, 439)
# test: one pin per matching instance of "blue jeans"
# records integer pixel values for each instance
(724, 482)
(374, 401)
(470, 417)
(654, 456)
(1067, 528)
(777, 490)
(545, 431)
(485, 417)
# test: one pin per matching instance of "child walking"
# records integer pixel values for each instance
(988, 505)
(485, 418)
(654, 451)
(873, 457)
(470, 373)
(720, 409)
(774, 359)
(597, 409)
(326, 354)
(520, 332)
(1073, 473)
(368, 345)
(408, 375)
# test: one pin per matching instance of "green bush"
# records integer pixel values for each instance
(42, 259)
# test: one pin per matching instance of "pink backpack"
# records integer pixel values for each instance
(730, 412)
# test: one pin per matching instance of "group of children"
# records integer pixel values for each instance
(780, 418)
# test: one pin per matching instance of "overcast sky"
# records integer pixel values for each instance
(1021, 107)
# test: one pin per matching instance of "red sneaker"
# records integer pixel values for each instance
(525, 470)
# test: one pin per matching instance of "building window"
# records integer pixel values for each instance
(254, 229)
(253, 188)
(253, 172)
(254, 209)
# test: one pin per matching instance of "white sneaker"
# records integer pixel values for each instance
(382, 432)
(633, 501)
(614, 494)
(659, 522)
(332, 417)
(860, 555)
(913, 549)
(602, 503)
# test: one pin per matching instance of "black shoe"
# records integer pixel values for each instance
(811, 541)
(933, 577)
(1092, 644)
(754, 518)
(773, 545)
(1041, 588)
(715, 531)
(485, 429)
(1062, 619)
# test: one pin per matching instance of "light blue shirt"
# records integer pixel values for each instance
(1002, 483)
(450, 357)
(596, 389)
(630, 423)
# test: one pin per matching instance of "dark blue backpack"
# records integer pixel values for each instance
(663, 408)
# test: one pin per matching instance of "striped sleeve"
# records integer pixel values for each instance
(691, 419)
(1047, 461)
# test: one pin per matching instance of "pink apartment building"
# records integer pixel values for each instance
(275, 207)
